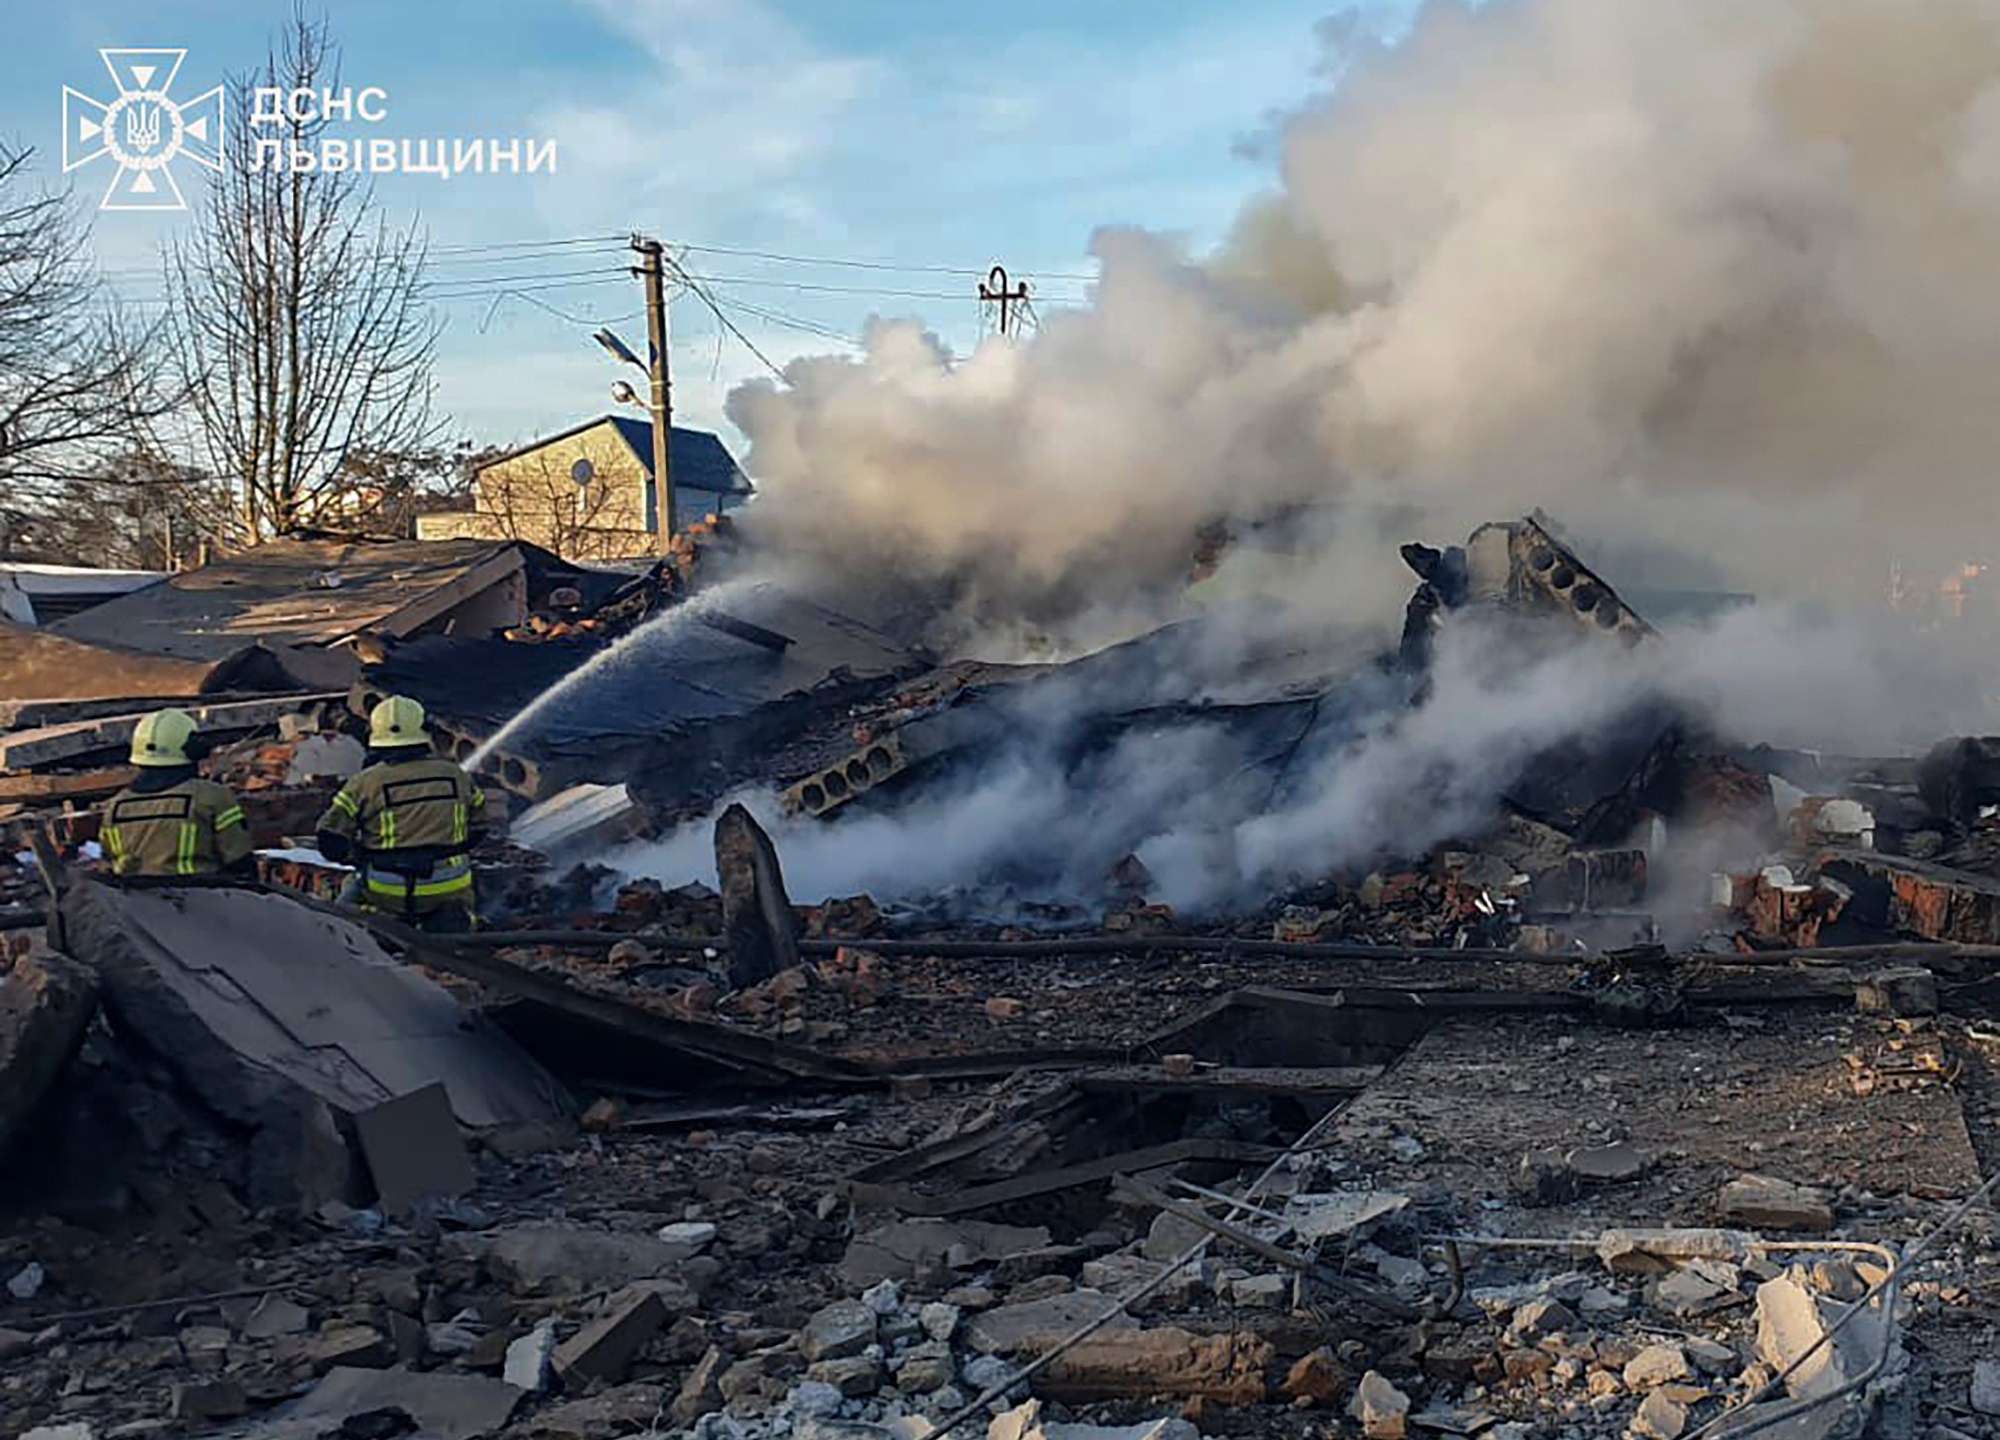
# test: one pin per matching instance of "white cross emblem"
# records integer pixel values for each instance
(142, 129)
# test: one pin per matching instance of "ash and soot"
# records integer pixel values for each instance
(1709, 283)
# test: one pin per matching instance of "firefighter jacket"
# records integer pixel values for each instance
(408, 823)
(161, 825)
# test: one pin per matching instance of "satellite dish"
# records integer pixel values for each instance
(583, 472)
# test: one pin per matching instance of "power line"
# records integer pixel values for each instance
(858, 264)
(794, 322)
(693, 283)
(529, 244)
(807, 285)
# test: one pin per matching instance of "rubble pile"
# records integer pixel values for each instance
(1545, 1132)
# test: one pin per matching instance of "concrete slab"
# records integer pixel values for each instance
(291, 1022)
(46, 1004)
(414, 1150)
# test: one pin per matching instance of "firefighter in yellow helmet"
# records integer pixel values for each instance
(170, 821)
(405, 824)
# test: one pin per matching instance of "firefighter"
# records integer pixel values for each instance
(405, 824)
(170, 821)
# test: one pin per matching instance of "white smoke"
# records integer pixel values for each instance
(1715, 272)
(1702, 279)
(1217, 830)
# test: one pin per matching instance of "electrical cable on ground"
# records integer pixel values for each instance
(1720, 1426)
(977, 1405)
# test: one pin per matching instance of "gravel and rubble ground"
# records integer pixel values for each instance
(719, 1281)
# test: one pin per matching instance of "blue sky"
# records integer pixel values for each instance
(874, 130)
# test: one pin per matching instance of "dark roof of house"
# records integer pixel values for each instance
(700, 460)
(290, 593)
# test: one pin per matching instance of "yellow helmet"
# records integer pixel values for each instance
(396, 723)
(161, 739)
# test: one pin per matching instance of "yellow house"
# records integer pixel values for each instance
(588, 494)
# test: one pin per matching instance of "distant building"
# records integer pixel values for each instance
(588, 493)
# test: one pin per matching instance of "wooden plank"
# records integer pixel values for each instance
(28, 749)
(1233, 1080)
(48, 789)
(33, 714)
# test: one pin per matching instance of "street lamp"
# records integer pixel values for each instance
(656, 376)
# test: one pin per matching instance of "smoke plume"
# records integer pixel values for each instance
(1709, 282)
(1714, 273)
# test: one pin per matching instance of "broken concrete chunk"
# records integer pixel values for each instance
(1127, 1274)
(904, 1249)
(529, 1256)
(604, 1349)
(530, 1358)
(1261, 1292)
(1986, 1387)
(854, 1376)
(628, 1410)
(445, 1407)
(1607, 1164)
(46, 1004)
(757, 915)
(1382, 1409)
(1322, 1216)
(275, 1315)
(1024, 1422)
(924, 1368)
(1661, 1417)
(1789, 1327)
(815, 1399)
(690, 1237)
(844, 1328)
(1170, 1238)
(884, 1297)
(354, 1347)
(701, 1393)
(1655, 1366)
(1688, 1293)
(1539, 1319)
(14, 1343)
(74, 1430)
(1764, 1203)
(208, 1400)
(939, 1320)
(1710, 1357)
(26, 1283)
(1029, 1328)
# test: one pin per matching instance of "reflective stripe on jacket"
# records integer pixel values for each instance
(193, 828)
(410, 820)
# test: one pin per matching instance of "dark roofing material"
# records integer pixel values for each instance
(704, 665)
(700, 460)
(36, 665)
(284, 593)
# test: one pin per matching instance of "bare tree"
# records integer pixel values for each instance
(137, 510)
(75, 384)
(296, 312)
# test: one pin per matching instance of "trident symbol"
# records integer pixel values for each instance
(142, 127)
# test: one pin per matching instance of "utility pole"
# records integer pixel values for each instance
(653, 268)
(993, 289)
